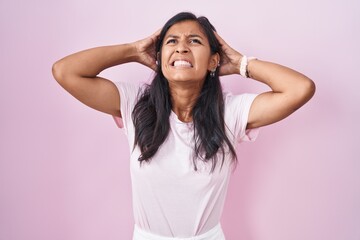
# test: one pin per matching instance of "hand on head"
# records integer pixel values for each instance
(229, 63)
(230, 58)
(146, 50)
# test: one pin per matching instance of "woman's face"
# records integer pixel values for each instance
(185, 54)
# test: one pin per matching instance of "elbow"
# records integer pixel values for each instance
(61, 72)
(309, 89)
(57, 71)
(302, 93)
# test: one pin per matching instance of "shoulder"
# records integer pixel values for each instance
(238, 100)
(130, 91)
(130, 87)
(236, 115)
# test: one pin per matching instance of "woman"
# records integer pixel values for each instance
(182, 129)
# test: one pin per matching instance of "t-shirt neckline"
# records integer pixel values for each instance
(176, 119)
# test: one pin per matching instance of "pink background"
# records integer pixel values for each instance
(64, 170)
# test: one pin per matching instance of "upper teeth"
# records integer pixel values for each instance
(182, 63)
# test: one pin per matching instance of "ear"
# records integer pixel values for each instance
(214, 61)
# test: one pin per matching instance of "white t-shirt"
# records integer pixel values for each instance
(170, 198)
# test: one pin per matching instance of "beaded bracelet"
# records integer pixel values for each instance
(243, 65)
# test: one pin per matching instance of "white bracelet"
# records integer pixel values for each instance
(243, 65)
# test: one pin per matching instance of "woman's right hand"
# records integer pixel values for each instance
(146, 50)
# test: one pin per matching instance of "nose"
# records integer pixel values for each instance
(182, 48)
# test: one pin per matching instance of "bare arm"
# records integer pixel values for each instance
(78, 72)
(290, 89)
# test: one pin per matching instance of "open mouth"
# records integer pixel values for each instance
(181, 63)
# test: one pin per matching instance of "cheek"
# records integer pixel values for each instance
(165, 52)
(202, 65)
(203, 58)
(164, 58)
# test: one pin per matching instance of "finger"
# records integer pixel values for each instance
(224, 70)
(153, 67)
(221, 41)
(152, 64)
(221, 71)
(156, 34)
(224, 46)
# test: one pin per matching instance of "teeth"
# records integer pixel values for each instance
(182, 63)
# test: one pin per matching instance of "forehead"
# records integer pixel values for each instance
(186, 28)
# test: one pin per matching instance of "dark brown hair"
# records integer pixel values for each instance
(152, 111)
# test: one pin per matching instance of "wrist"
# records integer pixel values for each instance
(244, 66)
(249, 67)
(238, 63)
(133, 53)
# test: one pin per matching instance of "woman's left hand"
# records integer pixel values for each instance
(230, 58)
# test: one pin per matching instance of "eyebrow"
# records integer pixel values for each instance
(189, 36)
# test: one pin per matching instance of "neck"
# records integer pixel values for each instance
(183, 98)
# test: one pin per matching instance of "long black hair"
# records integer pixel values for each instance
(151, 112)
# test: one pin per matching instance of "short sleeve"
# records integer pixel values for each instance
(237, 108)
(128, 98)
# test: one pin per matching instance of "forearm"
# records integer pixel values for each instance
(281, 79)
(89, 63)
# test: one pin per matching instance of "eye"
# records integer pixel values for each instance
(195, 41)
(170, 41)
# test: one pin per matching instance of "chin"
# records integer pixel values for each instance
(184, 78)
